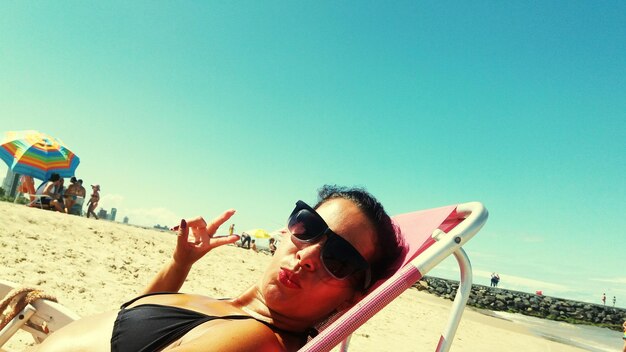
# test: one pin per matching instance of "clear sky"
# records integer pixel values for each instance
(180, 109)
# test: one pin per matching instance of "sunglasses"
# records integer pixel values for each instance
(340, 259)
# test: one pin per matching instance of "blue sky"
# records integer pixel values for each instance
(180, 109)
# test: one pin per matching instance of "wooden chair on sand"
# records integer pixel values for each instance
(30, 310)
(430, 237)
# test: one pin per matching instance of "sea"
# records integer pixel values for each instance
(587, 337)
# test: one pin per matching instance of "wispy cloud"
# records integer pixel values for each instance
(532, 239)
(614, 280)
(139, 216)
(152, 216)
(111, 201)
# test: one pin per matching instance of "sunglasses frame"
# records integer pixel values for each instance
(332, 237)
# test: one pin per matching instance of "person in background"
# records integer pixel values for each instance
(69, 197)
(59, 193)
(46, 192)
(81, 191)
(27, 186)
(245, 238)
(604, 299)
(93, 201)
(272, 245)
(253, 246)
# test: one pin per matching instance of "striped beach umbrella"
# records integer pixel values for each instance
(37, 154)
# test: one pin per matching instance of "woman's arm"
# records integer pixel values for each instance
(173, 274)
(169, 279)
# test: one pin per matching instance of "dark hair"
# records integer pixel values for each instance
(54, 177)
(389, 243)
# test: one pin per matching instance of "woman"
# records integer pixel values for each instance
(92, 203)
(46, 193)
(329, 257)
(272, 246)
(70, 195)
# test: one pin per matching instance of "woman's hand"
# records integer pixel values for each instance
(187, 250)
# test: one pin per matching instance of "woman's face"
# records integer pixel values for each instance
(297, 285)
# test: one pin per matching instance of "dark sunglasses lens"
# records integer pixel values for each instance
(341, 259)
(305, 225)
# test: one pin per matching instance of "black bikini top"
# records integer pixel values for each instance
(152, 327)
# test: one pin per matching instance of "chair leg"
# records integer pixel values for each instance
(345, 344)
(16, 323)
(460, 299)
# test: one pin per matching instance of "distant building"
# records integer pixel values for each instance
(113, 213)
(11, 181)
(126, 219)
(102, 214)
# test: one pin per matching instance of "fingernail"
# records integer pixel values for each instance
(183, 223)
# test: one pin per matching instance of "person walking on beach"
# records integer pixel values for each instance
(604, 299)
(93, 201)
(614, 299)
(495, 278)
(231, 229)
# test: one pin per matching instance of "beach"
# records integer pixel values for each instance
(94, 265)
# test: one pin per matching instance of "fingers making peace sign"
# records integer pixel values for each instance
(189, 250)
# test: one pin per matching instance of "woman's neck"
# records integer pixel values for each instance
(252, 302)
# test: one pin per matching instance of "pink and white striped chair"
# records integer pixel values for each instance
(431, 236)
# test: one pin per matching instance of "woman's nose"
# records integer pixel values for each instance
(309, 256)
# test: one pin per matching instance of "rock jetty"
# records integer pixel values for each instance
(498, 299)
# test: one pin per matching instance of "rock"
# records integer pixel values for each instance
(527, 303)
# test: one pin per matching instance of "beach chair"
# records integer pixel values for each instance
(41, 317)
(431, 236)
(26, 187)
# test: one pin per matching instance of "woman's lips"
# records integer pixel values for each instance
(288, 278)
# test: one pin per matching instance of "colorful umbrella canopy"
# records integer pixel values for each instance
(258, 233)
(37, 154)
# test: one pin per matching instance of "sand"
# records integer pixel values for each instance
(94, 265)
